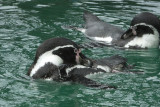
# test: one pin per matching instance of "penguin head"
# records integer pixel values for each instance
(139, 30)
(68, 51)
(57, 52)
(71, 55)
(142, 24)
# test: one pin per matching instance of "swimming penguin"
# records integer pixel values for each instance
(107, 64)
(113, 63)
(53, 59)
(81, 74)
(143, 32)
(53, 53)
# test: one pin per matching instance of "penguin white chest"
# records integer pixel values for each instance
(47, 57)
(146, 41)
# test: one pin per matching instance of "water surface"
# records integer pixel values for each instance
(24, 24)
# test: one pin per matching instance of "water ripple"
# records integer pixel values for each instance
(24, 24)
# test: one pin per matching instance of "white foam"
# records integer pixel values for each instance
(48, 79)
(92, 75)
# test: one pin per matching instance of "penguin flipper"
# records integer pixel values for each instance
(89, 17)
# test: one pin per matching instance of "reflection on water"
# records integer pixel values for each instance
(24, 24)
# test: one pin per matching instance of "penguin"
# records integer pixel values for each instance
(52, 54)
(112, 64)
(81, 74)
(143, 32)
(102, 65)
(53, 59)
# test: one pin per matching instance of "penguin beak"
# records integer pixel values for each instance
(86, 62)
(129, 33)
(83, 60)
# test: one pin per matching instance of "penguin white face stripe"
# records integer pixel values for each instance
(76, 66)
(105, 68)
(65, 46)
(144, 24)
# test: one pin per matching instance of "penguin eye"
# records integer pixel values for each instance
(75, 50)
(135, 27)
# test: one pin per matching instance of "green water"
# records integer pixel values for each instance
(24, 24)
